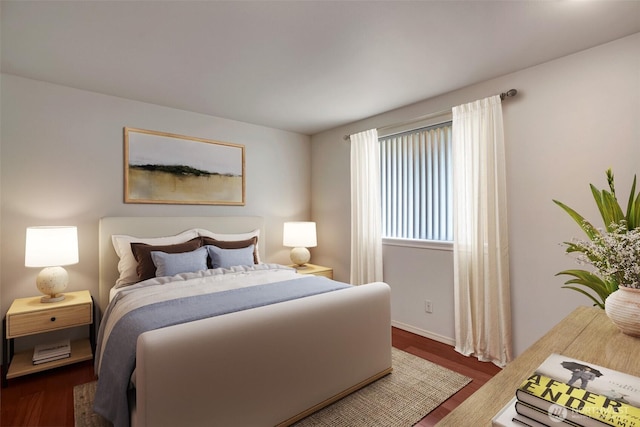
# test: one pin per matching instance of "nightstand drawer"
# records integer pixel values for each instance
(48, 320)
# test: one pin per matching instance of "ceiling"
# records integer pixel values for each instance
(302, 66)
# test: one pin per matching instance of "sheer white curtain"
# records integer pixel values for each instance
(366, 238)
(481, 246)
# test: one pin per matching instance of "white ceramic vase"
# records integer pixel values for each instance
(623, 308)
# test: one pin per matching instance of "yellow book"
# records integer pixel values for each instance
(576, 405)
(608, 382)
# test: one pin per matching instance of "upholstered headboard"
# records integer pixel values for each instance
(157, 227)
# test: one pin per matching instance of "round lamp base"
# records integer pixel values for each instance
(52, 298)
(51, 281)
(300, 256)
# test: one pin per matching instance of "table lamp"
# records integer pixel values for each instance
(299, 236)
(51, 247)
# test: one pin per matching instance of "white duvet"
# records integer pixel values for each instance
(160, 289)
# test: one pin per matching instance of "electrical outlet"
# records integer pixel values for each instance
(428, 306)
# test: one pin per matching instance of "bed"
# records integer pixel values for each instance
(267, 365)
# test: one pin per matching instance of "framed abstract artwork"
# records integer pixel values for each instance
(161, 167)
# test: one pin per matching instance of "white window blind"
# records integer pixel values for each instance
(416, 182)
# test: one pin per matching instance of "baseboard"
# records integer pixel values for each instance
(423, 333)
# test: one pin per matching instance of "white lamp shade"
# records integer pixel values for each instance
(51, 246)
(299, 234)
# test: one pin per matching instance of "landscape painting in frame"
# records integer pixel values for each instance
(166, 168)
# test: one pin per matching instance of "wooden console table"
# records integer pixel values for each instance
(586, 334)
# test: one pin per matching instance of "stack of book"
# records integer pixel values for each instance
(564, 391)
(44, 353)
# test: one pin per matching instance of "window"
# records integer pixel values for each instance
(417, 184)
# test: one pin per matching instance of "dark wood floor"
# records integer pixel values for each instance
(46, 399)
(445, 355)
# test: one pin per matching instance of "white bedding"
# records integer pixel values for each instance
(275, 271)
(127, 298)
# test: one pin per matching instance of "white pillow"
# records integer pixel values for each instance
(127, 264)
(233, 237)
(184, 262)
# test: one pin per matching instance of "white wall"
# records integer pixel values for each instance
(572, 119)
(62, 163)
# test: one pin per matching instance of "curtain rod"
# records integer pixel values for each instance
(503, 95)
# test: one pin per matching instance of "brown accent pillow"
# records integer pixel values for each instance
(146, 269)
(234, 244)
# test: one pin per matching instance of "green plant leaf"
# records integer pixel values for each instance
(590, 281)
(613, 209)
(610, 180)
(586, 226)
(597, 197)
(595, 301)
(633, 207)
(633, 219)
(608, 206)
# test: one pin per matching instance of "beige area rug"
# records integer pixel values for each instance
(400, 399)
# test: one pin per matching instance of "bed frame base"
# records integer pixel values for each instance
(267, 366)
(335, 398)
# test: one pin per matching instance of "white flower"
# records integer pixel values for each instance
(615, 255)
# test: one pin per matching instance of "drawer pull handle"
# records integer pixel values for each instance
(53, 319)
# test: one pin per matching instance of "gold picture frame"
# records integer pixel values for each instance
(162, 167)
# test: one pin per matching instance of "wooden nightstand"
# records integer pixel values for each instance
(28, 316)
(316, 270)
